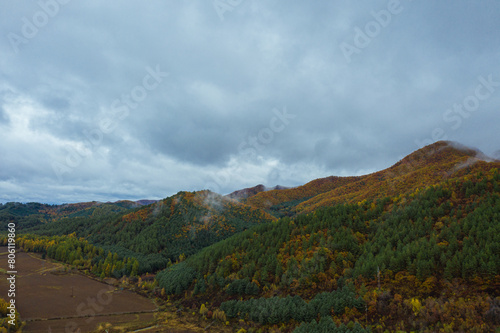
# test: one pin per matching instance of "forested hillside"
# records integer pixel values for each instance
(279, 202)
(425, 167)
(32, 214)
(435, 252)
(163, 232)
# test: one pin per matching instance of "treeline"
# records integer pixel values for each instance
(79, 253)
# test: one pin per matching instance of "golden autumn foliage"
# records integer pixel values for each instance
(416, 259)
(427, 166)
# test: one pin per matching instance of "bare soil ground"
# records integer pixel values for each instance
(84, 324)
(51, 300)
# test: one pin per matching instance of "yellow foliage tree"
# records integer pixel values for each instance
(203, 310)
(416, 306)
(220, 315)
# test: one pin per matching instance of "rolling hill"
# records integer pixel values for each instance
(165, 231)
(31, 214)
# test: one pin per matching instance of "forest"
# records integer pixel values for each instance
(78, 253)
(434, 253)
(31, 214)
(163, 232)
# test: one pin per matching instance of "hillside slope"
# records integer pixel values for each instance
(427, 166)
(436, 248)
(168, 230)
(279, 201)
(26, 215)
(246, 193)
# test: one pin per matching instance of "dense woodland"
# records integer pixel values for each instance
(164, 232)
(435, 252)
(34, 214)
(415, 247)
(80, 254)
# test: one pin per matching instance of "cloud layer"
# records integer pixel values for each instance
(142, 100)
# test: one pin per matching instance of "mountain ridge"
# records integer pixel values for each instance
(410, 260)
(423, 167)
(251, 191)
(165, 231)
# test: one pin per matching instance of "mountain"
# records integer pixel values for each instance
(279, 202)
(425, 167)
(423, 259)
(133, 204)
(246, 192)
(167, 230)
(145, 202)
(251, 191)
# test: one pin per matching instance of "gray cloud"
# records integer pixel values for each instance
(210, 122)
(3, 116)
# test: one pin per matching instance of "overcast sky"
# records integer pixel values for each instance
(107, 101)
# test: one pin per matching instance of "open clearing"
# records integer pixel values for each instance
(51, 300)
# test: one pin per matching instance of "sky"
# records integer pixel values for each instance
(137, 100)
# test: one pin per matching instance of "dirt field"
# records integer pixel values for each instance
(72, 325)
(53, 301)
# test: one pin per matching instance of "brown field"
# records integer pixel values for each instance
(67, 325)
(51, 300)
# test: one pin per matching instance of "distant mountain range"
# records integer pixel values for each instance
(33, 213)
(424, 167)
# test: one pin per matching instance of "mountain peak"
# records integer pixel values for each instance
(442, 151)
(251, 191)
(429, 165)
